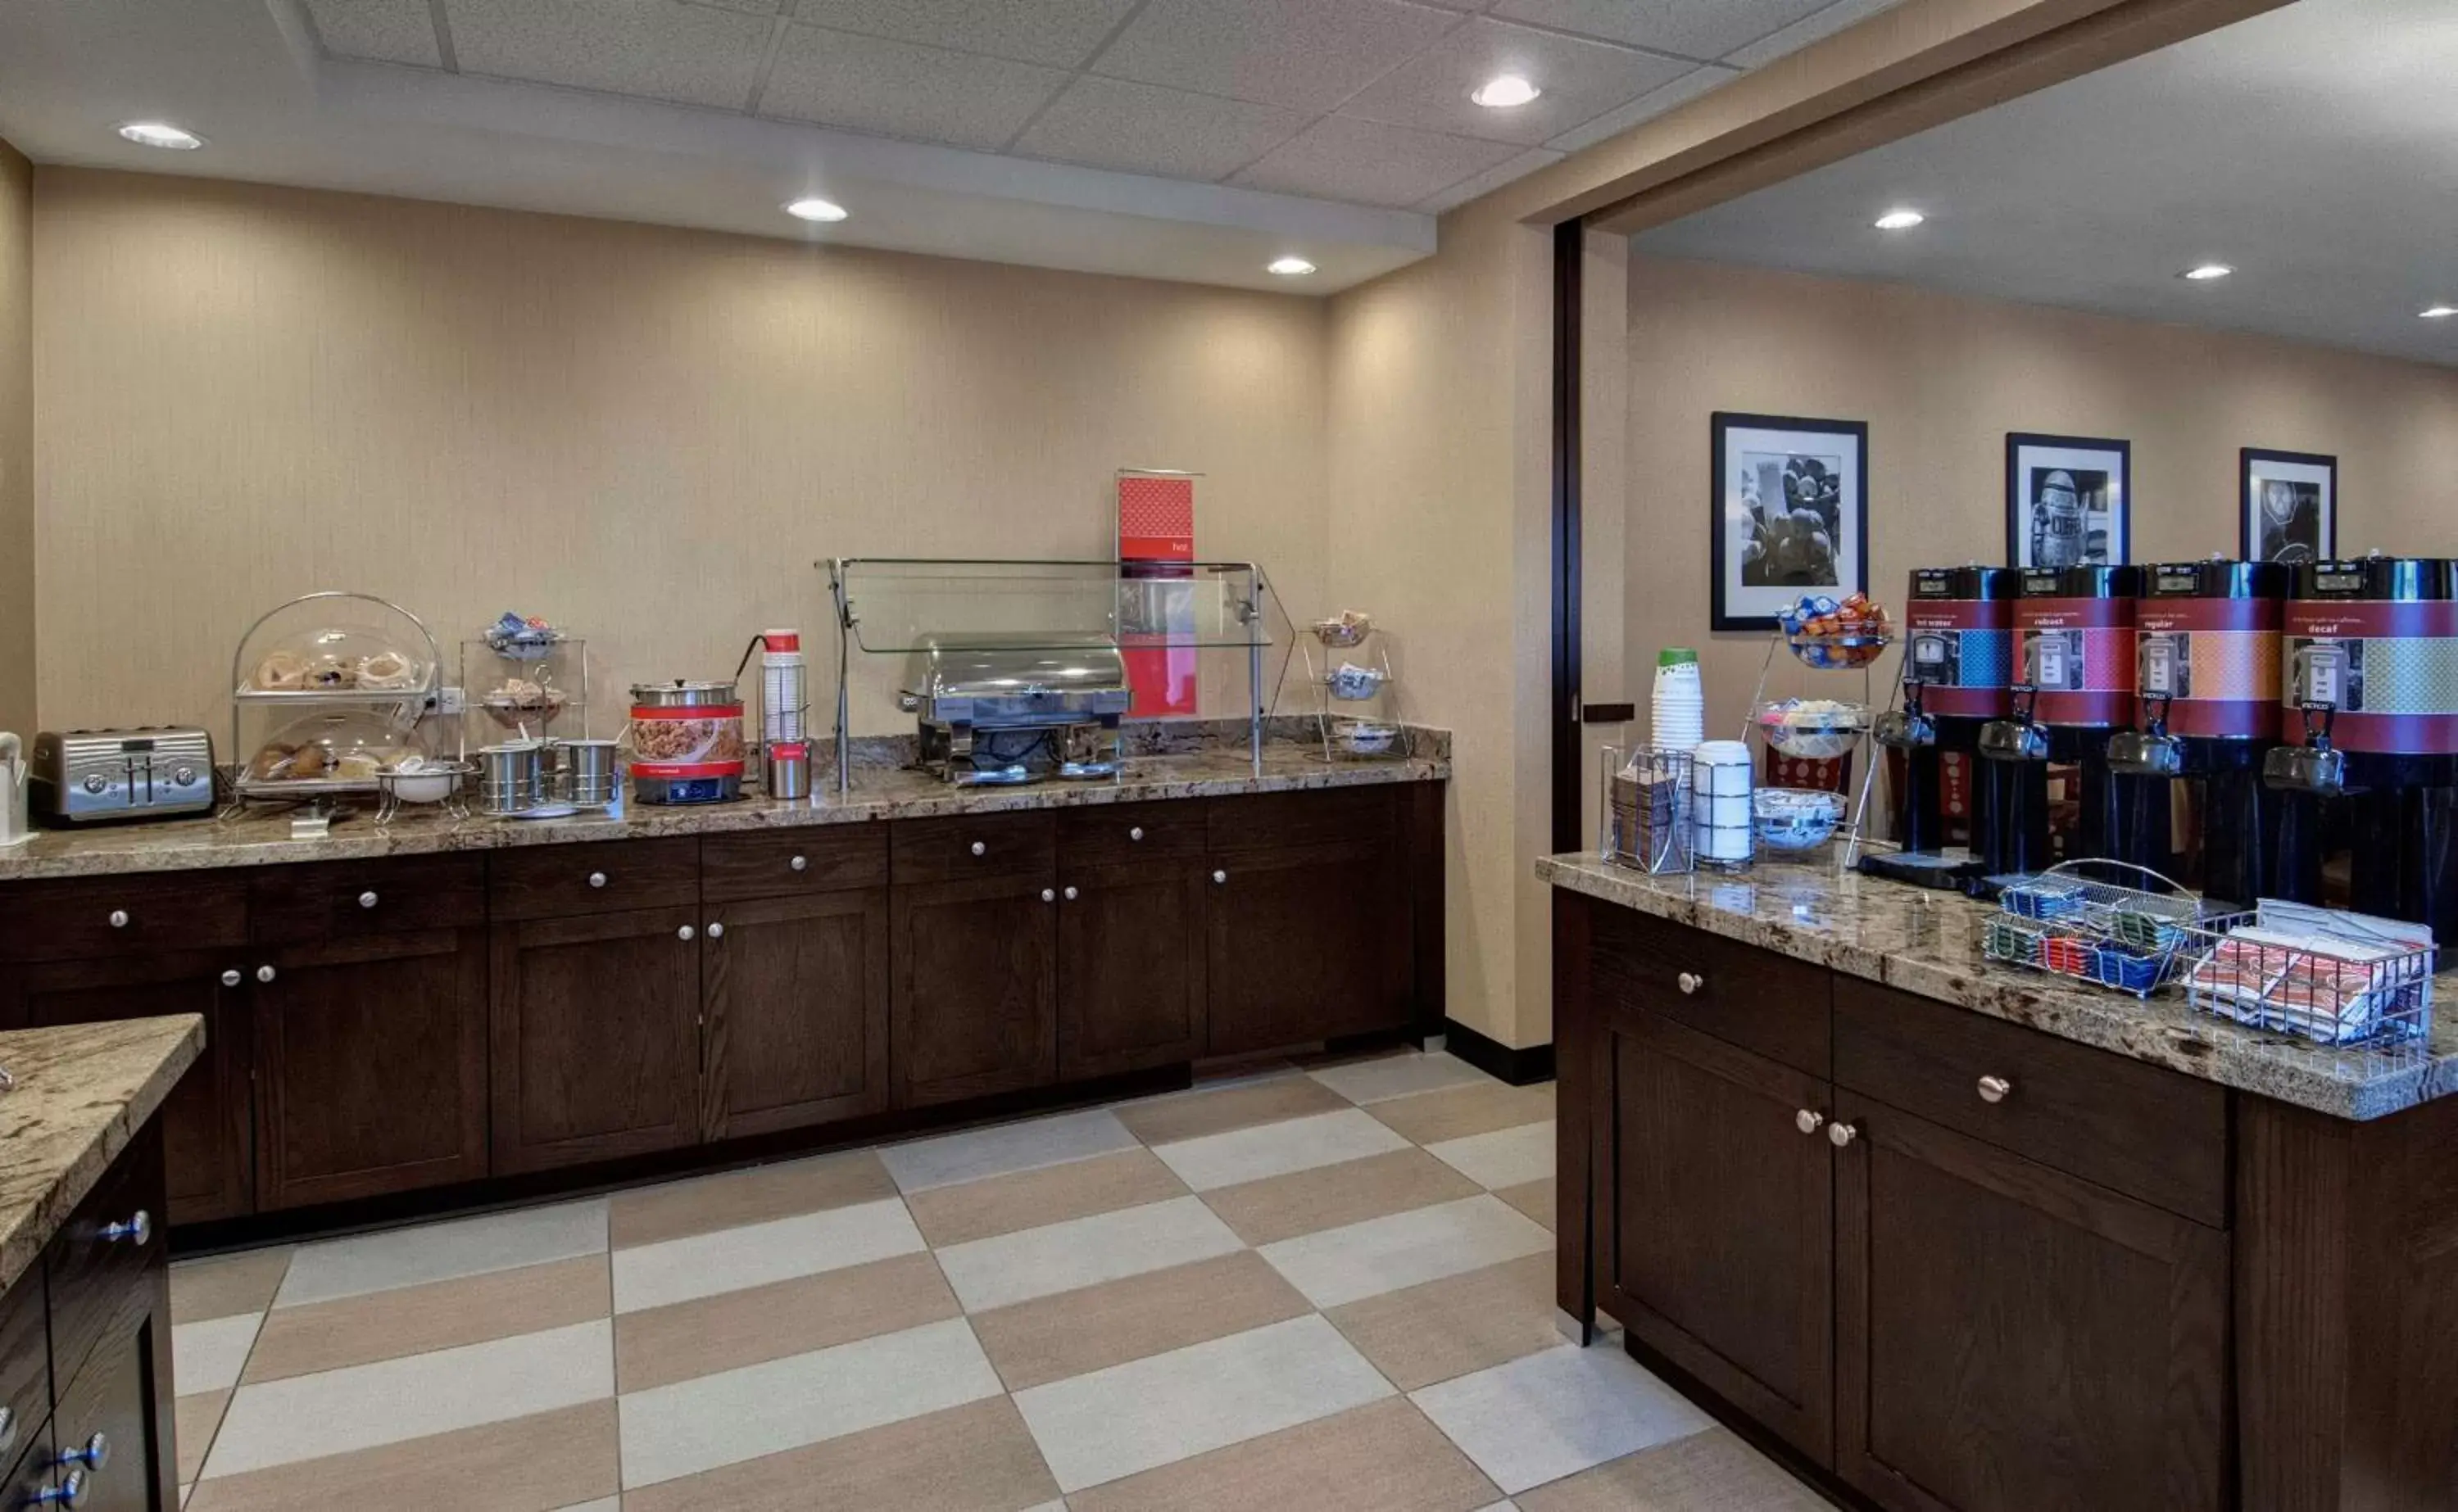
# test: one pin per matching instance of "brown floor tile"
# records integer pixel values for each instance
(524, 1465)
(1424, 1334)
(688, 1340)
(197, 1417)
(1456, 1112)
(681, 1209)
(1534, 1199)
(978, 1458)
(1328, 1196)
(1195, 1114)
(1706, 1470)
(1028, 1199)
(226, 1285)
(437, 1314)
(1053, 1338)
(1382, 1458)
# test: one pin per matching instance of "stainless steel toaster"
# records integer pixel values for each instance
(90, 777)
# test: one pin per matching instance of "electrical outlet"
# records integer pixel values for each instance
(451, 702)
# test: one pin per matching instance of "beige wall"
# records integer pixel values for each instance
(16, 443)
(1942, 379)
(649, 434)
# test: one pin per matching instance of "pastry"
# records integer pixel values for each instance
(386, 669)
(272, 763)
(306, 764)
(283, 672)
(357, 766)
(327, 674)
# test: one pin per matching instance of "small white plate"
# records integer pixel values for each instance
(549, 811)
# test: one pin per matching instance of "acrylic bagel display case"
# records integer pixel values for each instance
(328, 693)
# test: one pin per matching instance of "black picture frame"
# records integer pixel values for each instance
(2262, 464)
(1743, 605)
(2109, 456)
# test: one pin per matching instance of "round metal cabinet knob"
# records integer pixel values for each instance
(1995, 1089)
(686, 932)
(1220, 876)
(8, 1429)
(596, 879)
(119, 918)
(368, 900)
(979, 849)
(800, 863)
(715, 930)
(94, 1455)
(138, 1229)
(1136, 832)
(1069, 894)
(1689, 982)
(1809, 1120)
(1840, 1135)
(69, 1493)
(265, 973)
(232, 978)
(1047, 896)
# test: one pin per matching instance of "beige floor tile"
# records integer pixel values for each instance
(439, 1314)
(1028, 1199)
(1053, 1338)
(197, 1417)
(1327, 1196)
(1534, 1199)
(1192, 1115)
(223, 1285)
(522, 1465)
(977, 1458)
(660, 1345)
(681, 1209)
(1422, 1334)
(1382, 1458)
(1458, 1112)
(1711, 1470)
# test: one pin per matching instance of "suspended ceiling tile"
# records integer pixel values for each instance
(1580, 79)
(762, 8)
(1816, 26)
(1696, 28)
(1144, 129)
(895, 88)
(377, 30)
(1305, 55)
(1490, 180)
(1063, 33)
(1646, 108)
(1366, 162)
(658, 48)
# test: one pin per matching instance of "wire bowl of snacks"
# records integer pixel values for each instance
(1795, 819)
(1351, 683)
(1812, 729)
(2110, 923)
(1836, 634)
(1366, 736)
(1348, 628)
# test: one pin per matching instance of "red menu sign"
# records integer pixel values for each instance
(1157, 544)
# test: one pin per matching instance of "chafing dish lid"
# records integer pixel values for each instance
(1008, 666)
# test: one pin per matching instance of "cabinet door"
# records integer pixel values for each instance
(1719, 1241)
(974, 1005)
(206, 1120)
(796, 1030)
(110, 1430)
(1131, 967)
(594, 1037)
(372, 1067)
(2011, 1338)
(1305, 945)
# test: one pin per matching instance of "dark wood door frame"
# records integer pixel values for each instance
(1568, 759)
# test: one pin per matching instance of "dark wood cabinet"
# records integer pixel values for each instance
(795, 994)
(111, 1427)
(207, 1121)
(1308, 942)
(106, 1279)
(2012, 1337)
(1131, 952)
(371, 1065)
(1719, 1221)
(974, 1005)
(593, 1037)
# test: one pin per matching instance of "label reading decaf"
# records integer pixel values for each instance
(2179, 582)
(2338, 582)
(2039, 584)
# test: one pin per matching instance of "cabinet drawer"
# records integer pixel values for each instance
(987, 845)
(32, 1476)
(1114, 834)
(2130, 1127)
(99, 1265)
(351, 900)
(82, 920)
(24, 1362)
(1742, 995)
(734, 868)
(553, 881)
(1292, 820)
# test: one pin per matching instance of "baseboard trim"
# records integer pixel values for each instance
(1495, 1059)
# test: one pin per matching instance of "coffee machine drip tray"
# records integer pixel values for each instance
(1954, 870)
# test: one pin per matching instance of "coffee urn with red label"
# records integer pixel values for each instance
(2074, 688)
(1958, 664)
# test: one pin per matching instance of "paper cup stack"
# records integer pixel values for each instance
(1677, 708)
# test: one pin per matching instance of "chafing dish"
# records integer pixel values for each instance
(1006, 709)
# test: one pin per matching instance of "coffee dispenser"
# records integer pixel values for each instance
(1958, 663)
(2206, 660)
(2369, 654)
(2075, 661)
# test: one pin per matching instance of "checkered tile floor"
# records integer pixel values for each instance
(1313, 1287)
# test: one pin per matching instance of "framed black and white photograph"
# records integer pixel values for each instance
(1791, 514)
(2290, 508)
(2067, 501)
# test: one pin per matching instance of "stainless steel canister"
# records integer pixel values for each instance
(511, 776)
(588, 776)
(785, 769)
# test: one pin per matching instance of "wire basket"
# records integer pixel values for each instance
(1647, 809)
(2079, 920)
(2335, 977)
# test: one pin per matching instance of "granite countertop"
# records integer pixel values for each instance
(263, 838)
(83, 1090)
(1928, 943)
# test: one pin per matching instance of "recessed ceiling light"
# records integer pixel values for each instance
(1899, 220)
(2440, 311)
(816, 209)
(1502, 92)
(2207, 272)
(1289, 268)
(161, 133)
